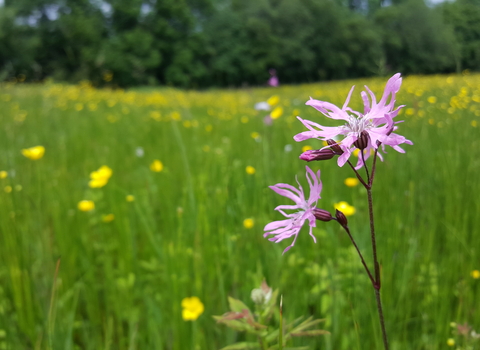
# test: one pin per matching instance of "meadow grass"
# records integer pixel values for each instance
(70, 280)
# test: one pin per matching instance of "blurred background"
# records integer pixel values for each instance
(204, 43)
(138, 140)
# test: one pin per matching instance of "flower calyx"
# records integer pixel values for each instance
(322, 215)
(341, 218)
(335, 147)
(317, 154)
(362, 141)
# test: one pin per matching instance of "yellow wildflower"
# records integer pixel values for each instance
(192, 308)
(345, 208)
(250, 170)
(8, 189)
(3, 174)
(100, 177)
(108, 218)
(351, 181)
(451, 342)
(156, 166)
(34, 153)
(255, 135)
(248, 223)
(432, 99)
(272, 101)
(276, 113)
(306, 148)
(86, 205)
(475, 274)
(129, 198)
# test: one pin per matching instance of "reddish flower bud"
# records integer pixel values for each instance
(341, 218)
(362, 141)
(322, 215)
(335, 147)
(317, 154)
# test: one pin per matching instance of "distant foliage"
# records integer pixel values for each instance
(204, 43)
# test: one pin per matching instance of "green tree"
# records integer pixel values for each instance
(415, 39)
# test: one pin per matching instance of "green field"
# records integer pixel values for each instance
(120, 282)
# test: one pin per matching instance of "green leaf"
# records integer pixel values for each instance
(237, 305)
(311, 333)
(240, 346)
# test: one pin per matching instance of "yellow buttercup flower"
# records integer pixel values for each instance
(100, 177)
(3, 174)
(276, 113)
(192, 308)
(34, 153)
(129, 198)
(108, 218)
(306, 148)
(475, 274)
(248, 223)
(351, 181)
(156, 166)
(451, 342)
(86, 205)
(345, 208)
(272, 101)
(250, 170)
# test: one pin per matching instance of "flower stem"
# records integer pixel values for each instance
(359, 254)
(359, 177)
(377, 283)
(365, 166)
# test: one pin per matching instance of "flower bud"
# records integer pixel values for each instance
(335, 146)
(262, 295)
(362, 141)
(322, 215)
(341, 218)
(317, 154)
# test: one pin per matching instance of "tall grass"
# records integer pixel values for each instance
(71, 281)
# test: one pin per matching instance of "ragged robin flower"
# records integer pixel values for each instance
(367, 130)
(305, 210)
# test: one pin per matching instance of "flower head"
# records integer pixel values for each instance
(156, 166)
(100, 177)
(345, 208)
(367, 130)
(248, 223)
(34, 153)
(305, 209)
(86, 205)
(192, 308)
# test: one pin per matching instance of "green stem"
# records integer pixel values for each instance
(280, 330)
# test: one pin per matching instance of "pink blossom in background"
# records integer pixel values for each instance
(291, 226)
(273, 81)
(376, 120)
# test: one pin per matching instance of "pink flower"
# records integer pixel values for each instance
(376, 121)
(305, 209)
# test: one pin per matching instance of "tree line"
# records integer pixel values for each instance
(204, 43)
